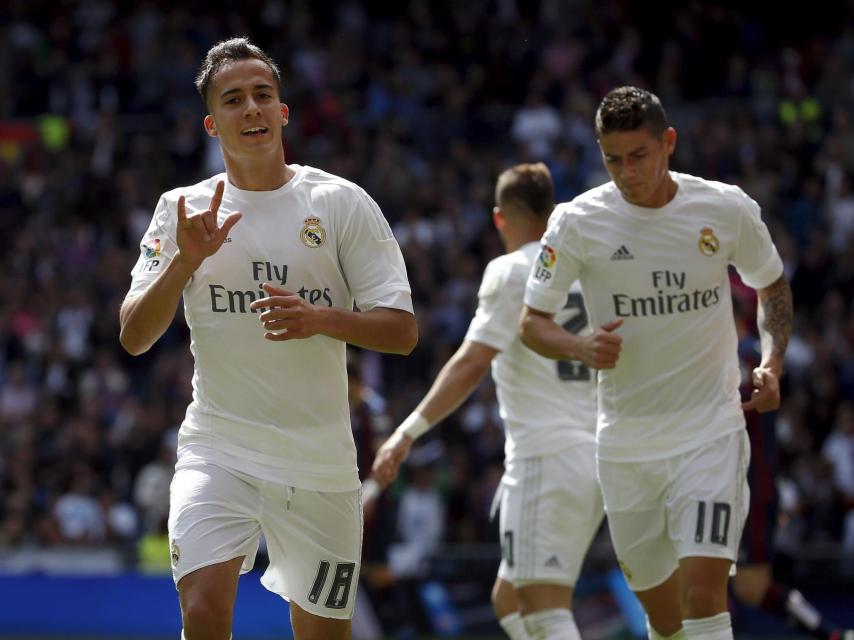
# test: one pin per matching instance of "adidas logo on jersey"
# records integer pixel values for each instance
(622, 254)
(553, 562)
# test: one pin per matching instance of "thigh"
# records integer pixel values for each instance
(309, 626)
(314, 542)
(708, 498)
(634, 495)
(704, 586)
(551, 507)
(212, 589)
(212, 519)
(662, 605)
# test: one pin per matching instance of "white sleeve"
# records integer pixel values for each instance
(156, 248)
(754, 255)
(556, 267)
(496, 321)
(371, 259)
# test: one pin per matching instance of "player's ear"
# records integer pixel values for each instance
(498, 218)
(670, 140)
(210, 126)
(285, 113)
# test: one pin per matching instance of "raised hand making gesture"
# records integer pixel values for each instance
(199, 234)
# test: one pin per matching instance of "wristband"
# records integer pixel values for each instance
(414, 426)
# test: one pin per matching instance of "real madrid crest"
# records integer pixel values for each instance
(312, 234)
(175, 553)
(709, 243)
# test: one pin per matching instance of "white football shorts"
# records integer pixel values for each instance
(550, 509)
(314, 538)
(690, 505)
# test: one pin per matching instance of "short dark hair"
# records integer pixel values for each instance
(526, 188)
(630, 108)
(229, 51)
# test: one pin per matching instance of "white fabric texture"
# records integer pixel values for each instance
(314, 538)
(551, 507)
(546, 406)
(691, 505)
(717, 627)
(514, 627)
(551, 624)
(664, 271)
(277, 410)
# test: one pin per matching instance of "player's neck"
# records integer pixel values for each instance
(664, 193)
(516, 239)
(261, 174)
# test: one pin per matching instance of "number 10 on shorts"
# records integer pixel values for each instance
(719, 530)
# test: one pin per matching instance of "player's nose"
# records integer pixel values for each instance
(252, 107)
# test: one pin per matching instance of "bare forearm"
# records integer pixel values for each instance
(145, 317)
(455, 382)
(543, 335)
(774, 320)
(380, 329)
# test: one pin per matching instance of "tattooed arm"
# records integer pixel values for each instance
(774, 319)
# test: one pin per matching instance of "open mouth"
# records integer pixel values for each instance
(254, 131)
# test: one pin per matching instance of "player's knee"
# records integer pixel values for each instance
(702, 601)
(205, 619)
(503, 599)
(673, 631)
(495, 598)
(320, 628)
(663, 624)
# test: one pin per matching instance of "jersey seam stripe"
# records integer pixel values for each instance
(522, 529)
(535, 507)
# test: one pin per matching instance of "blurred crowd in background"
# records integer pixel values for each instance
(423, 105)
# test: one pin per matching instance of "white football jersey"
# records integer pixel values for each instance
(664, 272)
(277, 410)
(546, 405)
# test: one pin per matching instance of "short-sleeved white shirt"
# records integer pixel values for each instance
(546, 406)
(277, 410)
(664, 272)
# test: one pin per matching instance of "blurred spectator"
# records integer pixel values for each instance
(421, 517)
(424, 105)
(368, 416)
(77, 511)
(151, 487)
(18, 396)
(536, 127)
(839, 451)
(153, 551)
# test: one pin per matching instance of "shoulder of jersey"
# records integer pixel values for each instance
(500, 265)
(591, 201)
(696, 186)
(515, 265)
(323, 184)
(318, 177)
